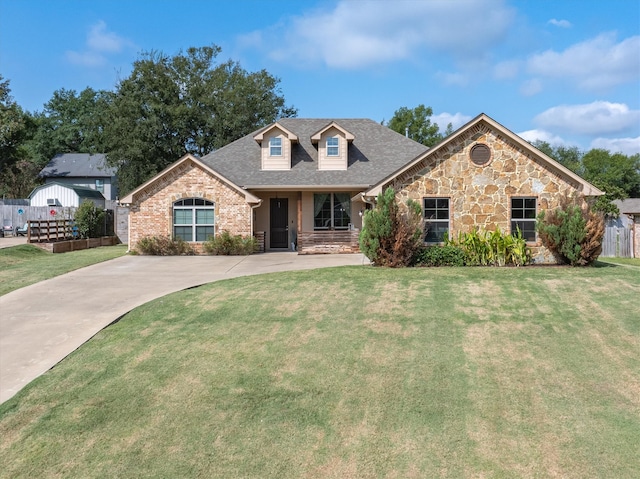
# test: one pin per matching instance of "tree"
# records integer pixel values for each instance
(170, 106)
(618, 170)
(418, 122)
(70, 123)
(618, 175)
(15, 129)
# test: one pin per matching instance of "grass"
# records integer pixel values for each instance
(624, 261)
(23, 265)
(350, 372)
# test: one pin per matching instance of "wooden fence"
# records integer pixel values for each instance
(617, 242)
(50, 231)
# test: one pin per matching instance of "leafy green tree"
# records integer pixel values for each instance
(16, 127)
(70, 123)
(186, 103)
(417, 121)
(618, 170)
(89, 219)
(618, 175)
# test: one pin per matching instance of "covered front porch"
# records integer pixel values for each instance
(309, 222)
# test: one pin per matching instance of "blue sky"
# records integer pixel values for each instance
(567, 72)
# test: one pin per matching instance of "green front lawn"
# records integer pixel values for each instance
(350, 372)
(23, 265)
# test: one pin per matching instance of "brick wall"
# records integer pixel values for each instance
(481, 195)
(151, 213)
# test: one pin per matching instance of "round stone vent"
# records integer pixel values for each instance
(480, 154)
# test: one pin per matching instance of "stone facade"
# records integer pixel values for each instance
(151, 213)
(480, 196)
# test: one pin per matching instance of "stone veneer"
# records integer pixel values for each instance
(480, 196)
(151, 213)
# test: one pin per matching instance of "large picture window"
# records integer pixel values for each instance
(436, 214)
(193, 219)
(523, 217)
(331, 211)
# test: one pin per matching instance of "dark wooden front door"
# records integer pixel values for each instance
(279, 223)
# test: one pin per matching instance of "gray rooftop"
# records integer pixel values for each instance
(77, 165)
(628, 206)
(375, 153)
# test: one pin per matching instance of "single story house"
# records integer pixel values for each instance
(64, 195)
(307, 182)
(82, 169)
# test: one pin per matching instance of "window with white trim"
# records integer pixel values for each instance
(193, 219)
(331, 211)
(275, 146)
(523, 217)
(100, 185)
(333, 144)
(436, 214)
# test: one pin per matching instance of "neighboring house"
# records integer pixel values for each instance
(61, 195)
(308, 182)
(82, 169)
(630, 218)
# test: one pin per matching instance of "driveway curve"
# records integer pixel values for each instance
(43, 323)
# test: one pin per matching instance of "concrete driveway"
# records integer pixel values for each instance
(41, 324)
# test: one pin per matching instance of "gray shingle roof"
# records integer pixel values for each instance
(629, 206)
(375, 153)
(80, 165)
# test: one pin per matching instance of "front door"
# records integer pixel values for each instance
(279, 234)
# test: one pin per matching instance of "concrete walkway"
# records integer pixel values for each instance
(42, 323)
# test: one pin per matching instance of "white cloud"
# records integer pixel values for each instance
(99, 42)
(627, 146)
(597, 118)
(542, 135)
(560, 23)
(99, 39)
(357, 34)
(456, 120)
(531, 87)
(594, 64)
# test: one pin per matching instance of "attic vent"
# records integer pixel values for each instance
(480, 154)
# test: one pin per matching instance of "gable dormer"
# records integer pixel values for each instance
(275, 143)
(333, 147)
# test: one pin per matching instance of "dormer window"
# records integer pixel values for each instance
(275, 146)
(333, 148)
(276, 143)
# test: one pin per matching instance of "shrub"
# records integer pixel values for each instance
(573, 233)
(492, 248)
(164, 246)
(226, 244)
(391, 237)
(446, 255)
(89, 220)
